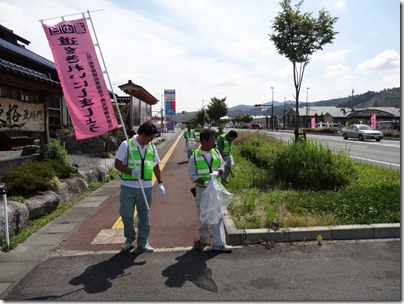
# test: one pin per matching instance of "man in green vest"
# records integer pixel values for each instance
(224, 145)
(189, 136)
(137, 159)
(206, 162)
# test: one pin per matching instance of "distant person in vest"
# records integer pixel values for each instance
(137, 163)
(189, 136)
(224, 145)
(204, 162)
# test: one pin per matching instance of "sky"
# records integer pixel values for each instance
(221, 48)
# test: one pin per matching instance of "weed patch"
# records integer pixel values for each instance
(356, 193)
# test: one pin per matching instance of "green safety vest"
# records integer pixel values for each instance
(189, 134)
(146, 163)
(202, 167)
(227, 145)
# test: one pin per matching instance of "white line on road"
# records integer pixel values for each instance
(375, 161)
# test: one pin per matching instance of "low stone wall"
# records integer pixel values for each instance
(7, 164)
(39, 205)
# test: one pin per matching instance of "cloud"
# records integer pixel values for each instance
(385, 61)
(337, 4)
(331, 57)
(211, 48)
(337, 70)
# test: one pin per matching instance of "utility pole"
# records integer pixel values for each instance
(284, 111)
(272, 114)
(352, 99)
(307, 104)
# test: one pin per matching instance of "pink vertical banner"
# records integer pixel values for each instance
(313, 122)
(373, 122)
(81, 77)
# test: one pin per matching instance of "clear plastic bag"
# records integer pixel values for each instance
(190, 144)
(214, 201)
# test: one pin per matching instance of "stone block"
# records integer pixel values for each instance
(309, 233)
(17, 214)
(71, 188)
(42, 203)
(351, 232)
(386, 230)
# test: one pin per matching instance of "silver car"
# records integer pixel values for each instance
(361, 132)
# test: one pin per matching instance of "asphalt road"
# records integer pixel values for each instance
(342, 271)
(385, 153)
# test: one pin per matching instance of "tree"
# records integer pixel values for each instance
(217, 108)
(200, 117)
(297, 36)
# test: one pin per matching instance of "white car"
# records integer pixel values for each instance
(361, 132)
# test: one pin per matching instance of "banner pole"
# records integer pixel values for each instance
(106, 73)
(6, 228)
(116, 102)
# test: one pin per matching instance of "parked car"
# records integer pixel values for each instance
(361, 132)
(256, 126)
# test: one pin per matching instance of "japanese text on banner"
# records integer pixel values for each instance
(83, 83)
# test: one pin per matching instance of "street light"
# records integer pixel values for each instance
(284, 111)
(272, 115)
(307, 103)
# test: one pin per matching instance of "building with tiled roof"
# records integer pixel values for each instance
(340, 116)
(31, 97)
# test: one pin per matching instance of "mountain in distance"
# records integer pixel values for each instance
(384, 98)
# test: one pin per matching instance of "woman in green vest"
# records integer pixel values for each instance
(205, 162)
(137, 159)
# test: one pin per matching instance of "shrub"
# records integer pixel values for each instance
(262, 149)
(30, 177)
(310, 165)
(62, 170)
(321, 130)
(391, 133)
(56, 155)
(53, 151)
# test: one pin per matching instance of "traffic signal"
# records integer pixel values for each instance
(258, 105)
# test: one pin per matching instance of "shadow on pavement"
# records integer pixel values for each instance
(192, 267)
(98, 278)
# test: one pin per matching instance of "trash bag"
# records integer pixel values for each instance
(229, 160)
(190, 144)
(214, 201)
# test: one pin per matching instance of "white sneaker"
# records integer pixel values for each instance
(222, 248)
(146, 248)
(125, 246)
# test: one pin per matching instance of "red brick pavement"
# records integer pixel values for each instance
(173, 218)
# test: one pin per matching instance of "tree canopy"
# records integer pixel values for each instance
(217, 108)
(297, 36)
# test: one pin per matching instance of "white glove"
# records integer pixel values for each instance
(160, 190)
(214, 174)
(206, 183)
(136, 172)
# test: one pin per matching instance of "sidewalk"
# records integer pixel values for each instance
(46, 256)
(18, 263)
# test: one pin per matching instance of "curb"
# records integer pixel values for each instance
(341, 232)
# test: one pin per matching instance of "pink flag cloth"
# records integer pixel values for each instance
(373, 121)
(81, 77)
(313, 122)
